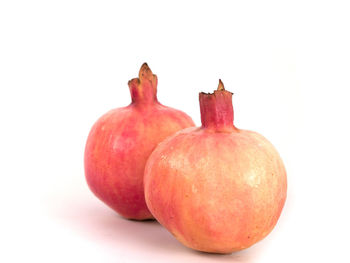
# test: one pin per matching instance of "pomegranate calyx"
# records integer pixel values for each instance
(144, 88)
(216, 109)
(145, 72)
(221, 85)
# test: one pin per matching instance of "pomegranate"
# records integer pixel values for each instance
(216, 188)
(120, 142)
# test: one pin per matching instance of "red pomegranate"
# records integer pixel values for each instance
(120, 142)
(216, 188)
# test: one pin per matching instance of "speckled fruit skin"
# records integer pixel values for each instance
(216, 188)
(120, 142)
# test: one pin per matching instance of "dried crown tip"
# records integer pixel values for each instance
(221, 85)
(144, 66)
(145, 72)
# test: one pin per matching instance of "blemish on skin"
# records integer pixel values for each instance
(253, 180)
(194, 189)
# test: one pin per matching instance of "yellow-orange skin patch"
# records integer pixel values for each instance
(216, 191)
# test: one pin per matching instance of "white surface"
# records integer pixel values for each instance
(65, 63)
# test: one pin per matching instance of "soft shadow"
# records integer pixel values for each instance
(239, 256)
(99, 223)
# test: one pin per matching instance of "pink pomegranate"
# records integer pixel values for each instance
(216, 188)
(121, 141)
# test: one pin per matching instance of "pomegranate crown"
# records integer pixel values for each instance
(144, 88)
(216, 109)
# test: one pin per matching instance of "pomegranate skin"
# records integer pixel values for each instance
(216, 188)
(120, 142)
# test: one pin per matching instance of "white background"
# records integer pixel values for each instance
(65, 63)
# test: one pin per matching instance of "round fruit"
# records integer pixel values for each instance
(120, 142)
(216, 188)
